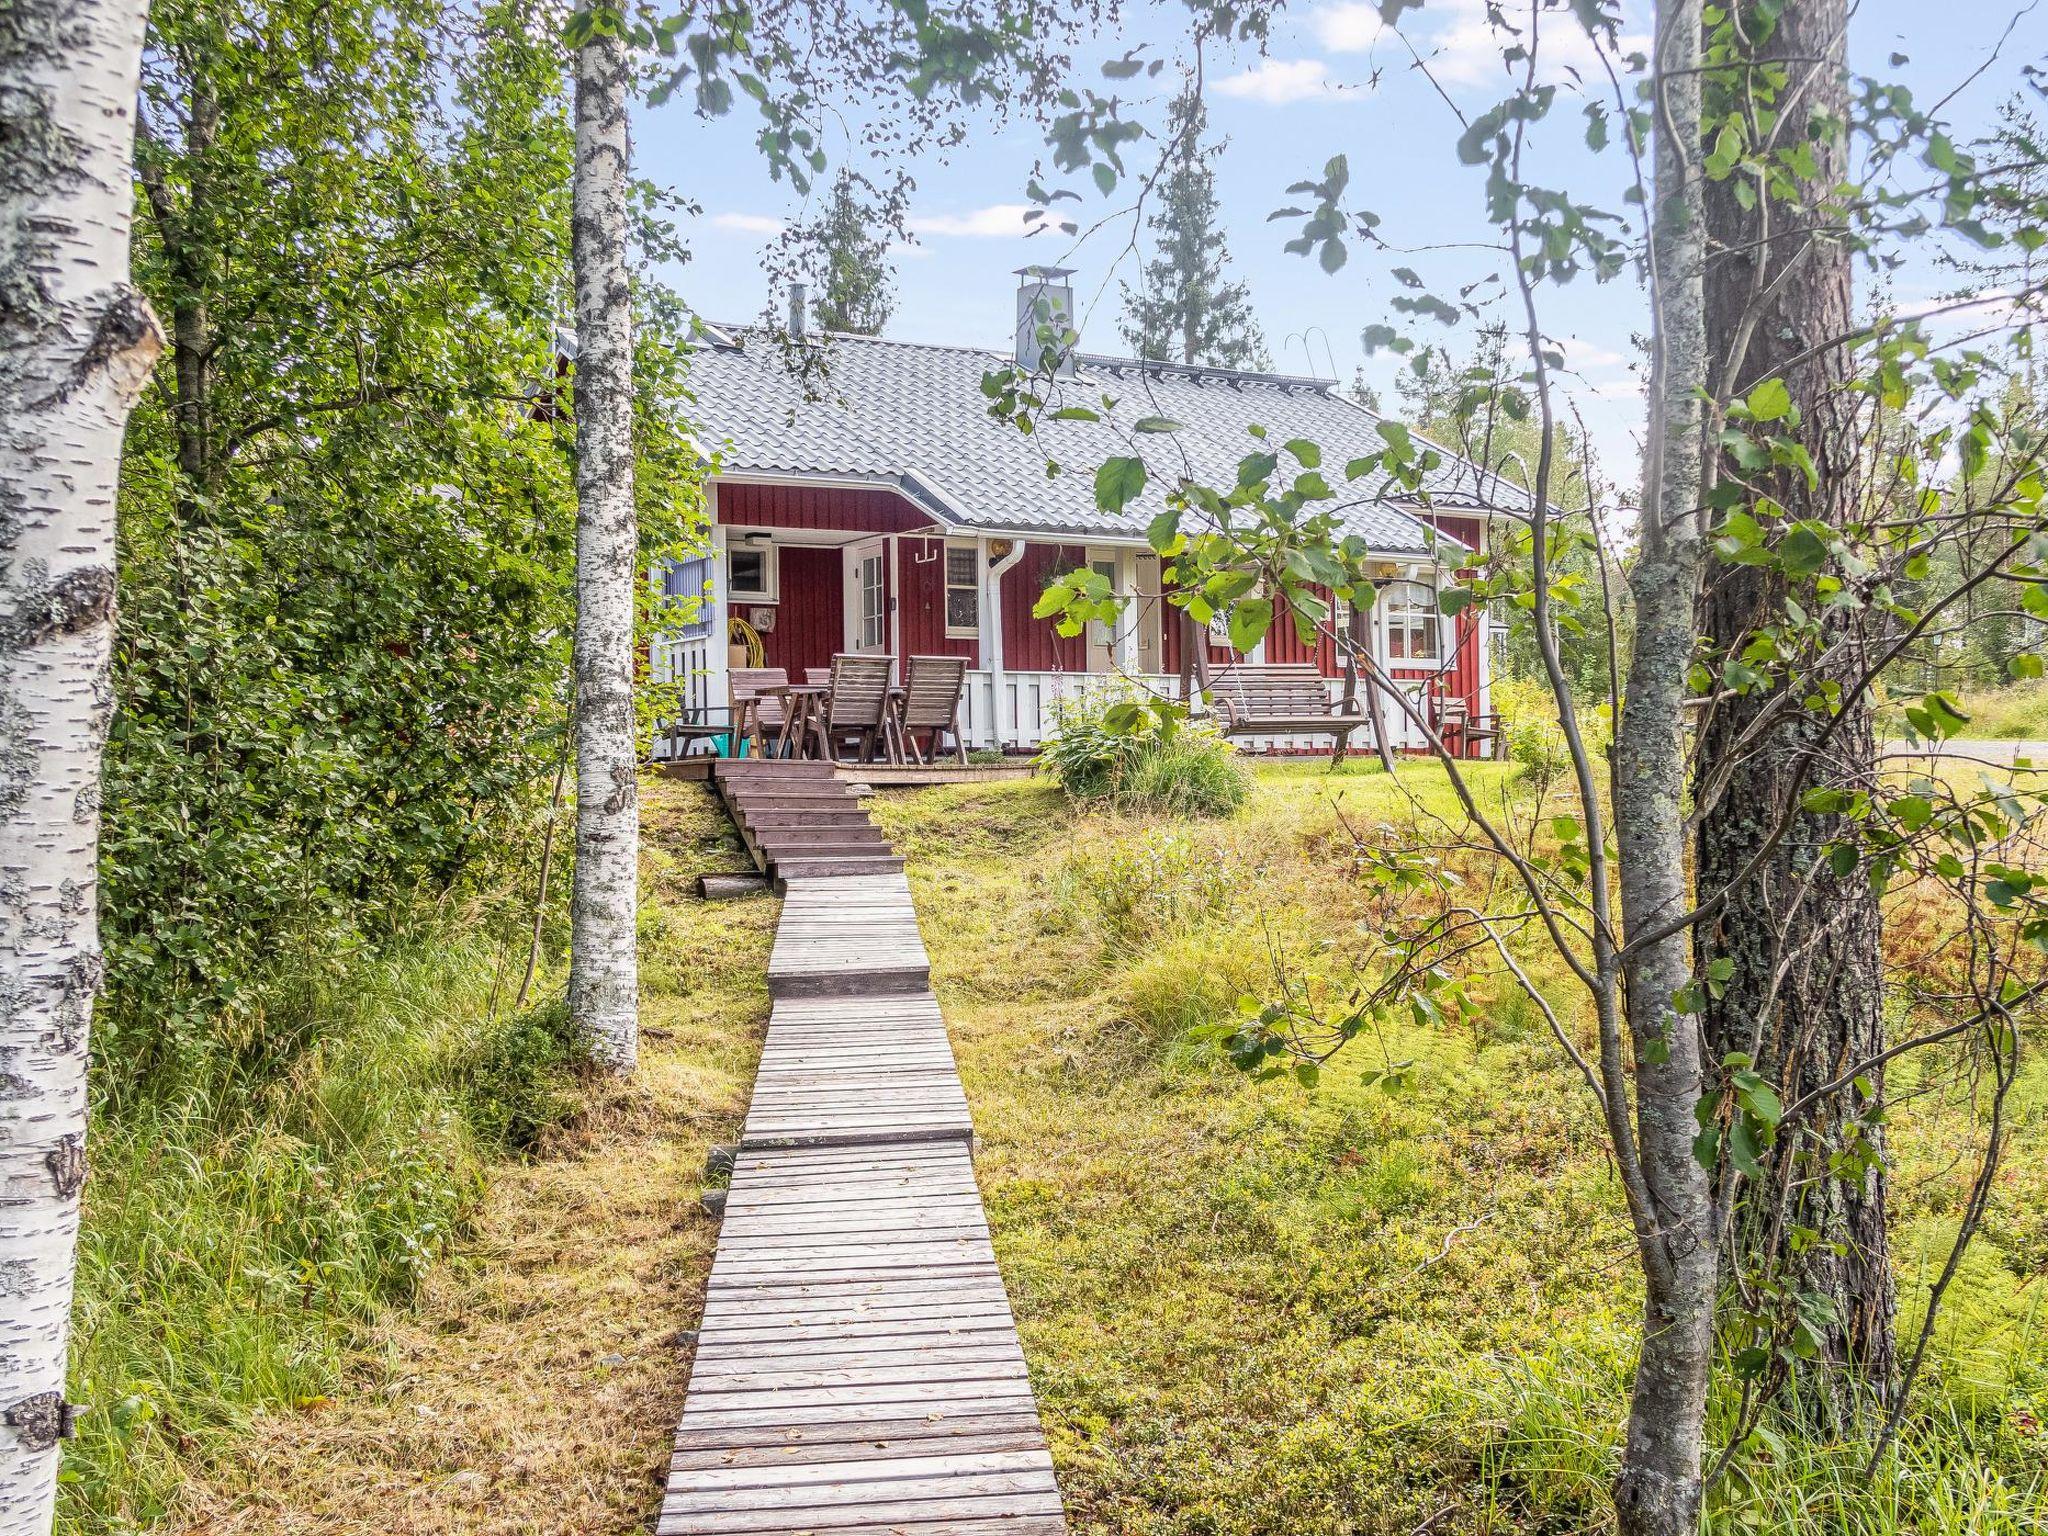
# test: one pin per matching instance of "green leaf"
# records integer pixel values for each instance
(1770, 401)
(1250, 618)
(1118, 483)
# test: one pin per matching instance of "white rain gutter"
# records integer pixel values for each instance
(992, 649)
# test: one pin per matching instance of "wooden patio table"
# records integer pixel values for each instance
(805, 706)
(810, 699)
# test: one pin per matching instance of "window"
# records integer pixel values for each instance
(750, 573)
(963, 591)
(683, 584)
(872, 578)
(1414, 633)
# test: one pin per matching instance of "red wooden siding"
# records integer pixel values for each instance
(1034, 645)
(810, 621)
(1466, 529)
(829, 508)
(1283, 644)
(921, 602)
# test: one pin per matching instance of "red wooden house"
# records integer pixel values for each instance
(886, 512)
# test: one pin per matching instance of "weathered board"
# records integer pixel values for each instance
(855, 934)
(858, 1368)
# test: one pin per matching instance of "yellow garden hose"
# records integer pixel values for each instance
(739, 632)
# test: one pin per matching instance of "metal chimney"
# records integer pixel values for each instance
(799, 309)
(1045, 309)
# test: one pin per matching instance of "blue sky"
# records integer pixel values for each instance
(1332, 80)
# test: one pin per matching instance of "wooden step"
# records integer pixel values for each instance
(850, 1070)
(797, 805)
(867, 836)
(822, 795)
(775, 773)
(809, 867)
(834, 816)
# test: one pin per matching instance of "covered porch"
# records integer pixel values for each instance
(797, 570)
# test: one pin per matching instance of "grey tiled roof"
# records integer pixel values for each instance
(914, 415)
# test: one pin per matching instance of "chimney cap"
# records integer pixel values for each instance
(1045, 271)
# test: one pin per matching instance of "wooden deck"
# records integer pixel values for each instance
(858, 1371)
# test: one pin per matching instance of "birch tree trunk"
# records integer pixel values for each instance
(1659, 1489)
(76, 344)
(603, 968)
(1805, 998)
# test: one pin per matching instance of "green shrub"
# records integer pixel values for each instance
(1142, 754)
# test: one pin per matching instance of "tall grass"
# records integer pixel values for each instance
(244, 1218)
(1546, 1442)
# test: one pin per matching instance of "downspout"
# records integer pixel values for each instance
(992, 652)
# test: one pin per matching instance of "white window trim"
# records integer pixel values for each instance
(1435, 615)
(771, 569)
(947, 587)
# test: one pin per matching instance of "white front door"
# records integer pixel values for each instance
(867, 596)
(1149, 612)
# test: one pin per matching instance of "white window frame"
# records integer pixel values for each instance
(948, 587)
(771, 572)
(1409, 616)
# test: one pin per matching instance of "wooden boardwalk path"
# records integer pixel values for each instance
(858, 1371)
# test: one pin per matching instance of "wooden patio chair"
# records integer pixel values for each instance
(759, 709)
(857, 709)
(1461, 730)
(931, 703)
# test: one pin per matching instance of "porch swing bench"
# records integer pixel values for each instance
(1282, 699)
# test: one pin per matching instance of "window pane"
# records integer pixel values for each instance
(747, 571)
(963, 608)
(959, 567)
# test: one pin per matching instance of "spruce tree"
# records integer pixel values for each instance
(1186, 310)
(855, 292)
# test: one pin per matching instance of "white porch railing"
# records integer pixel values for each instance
(1029, 703)
(697, 670)
(1025, 711)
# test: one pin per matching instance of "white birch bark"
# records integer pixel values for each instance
(1659, 1489)
(603, 969)
(76, 344)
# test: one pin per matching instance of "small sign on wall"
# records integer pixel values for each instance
(763, 620)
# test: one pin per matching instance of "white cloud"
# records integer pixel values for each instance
(997, 221)
(1462, 48)
(1352, 27)
(1277, 82)
(1582, 355)
(748, 223)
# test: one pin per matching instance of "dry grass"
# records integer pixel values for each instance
(537, 1382)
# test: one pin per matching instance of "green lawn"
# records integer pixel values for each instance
(1256, 1308)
